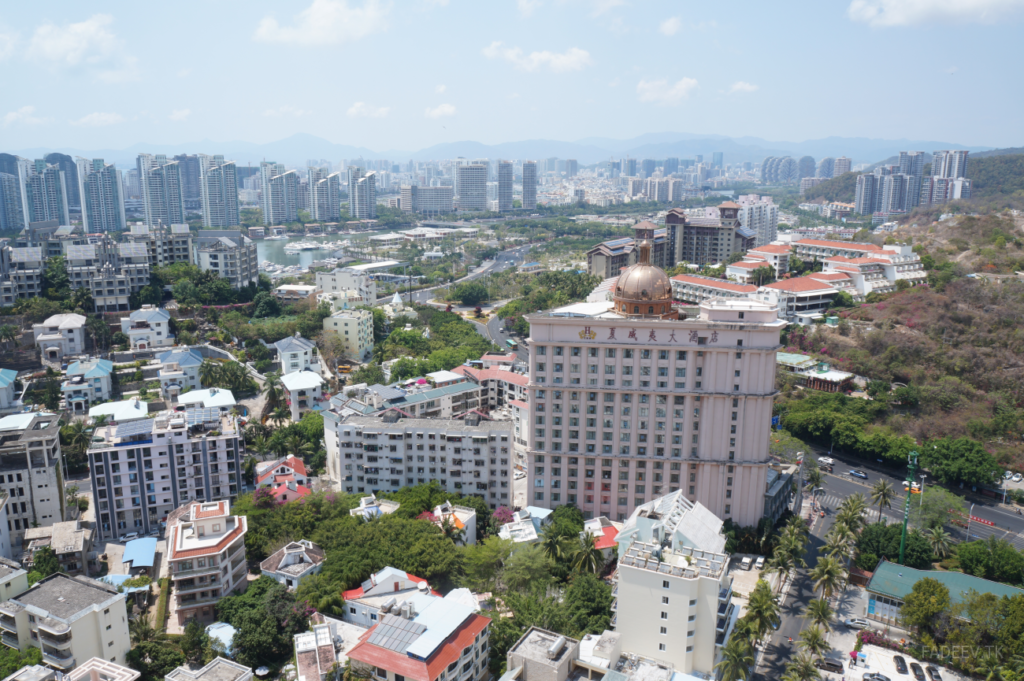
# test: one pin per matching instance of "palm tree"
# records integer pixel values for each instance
(209, 372)
(586, 557)
(452, 531)
(280, 416)
(781, 564)
(77, 435)
(100, 421)
(260, 445)
(939, 540)
(297, 447)
(827, 576)
(812, 640)
(835, 545)
(272, 390)
(140, 630)
(851, 512)
(882, 494)
(801, 669)
(988, 666)
(762, 609)
(9, 333)
(553, 544)
(820, 614)
(815, 478)
(737, 660)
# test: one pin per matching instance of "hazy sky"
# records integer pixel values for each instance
(406, 74)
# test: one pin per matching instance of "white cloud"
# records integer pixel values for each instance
(887, 13)
(126, 71)
(25, 114)
(364, 110)
(8, 42)
(439, 89)
(664, 92)
(87, 44)
(180, 114)
(285, 111)
(670, 26)
(99, 118)
(742, 86)
(573, 59)
(327, 22)
(526, 7)
(602, 6)
(440, 111)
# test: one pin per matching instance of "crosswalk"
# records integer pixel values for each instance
(831, 502)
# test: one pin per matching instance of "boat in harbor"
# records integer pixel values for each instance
(303, 246)
(279, 237)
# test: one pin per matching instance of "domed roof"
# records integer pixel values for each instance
(643, 282)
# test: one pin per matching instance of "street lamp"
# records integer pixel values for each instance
(923, 476)
(970, 514)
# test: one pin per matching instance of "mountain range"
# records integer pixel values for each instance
(297, 149)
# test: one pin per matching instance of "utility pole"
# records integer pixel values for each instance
(911, 471)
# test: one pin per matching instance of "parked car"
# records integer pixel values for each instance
(859, 474)
(901, 664)
(874, 676)
(1007, 475)
(917, 671)
(933, 672)
(129, 537)
(1017, 477)
(829, 666)
(857, 623)
(759, 563)
(745, 563)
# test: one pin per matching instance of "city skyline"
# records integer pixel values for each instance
(86, 80)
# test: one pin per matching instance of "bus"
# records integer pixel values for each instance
(512, 345)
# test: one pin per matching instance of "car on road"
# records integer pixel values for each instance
(858, 474)
(1007, 475)
(759, 563)
(874, 676)
(857, 623)
(826, 460)
(131, 536)
(1017, 477)
(911, 485)
(901, 664)
(917, 671)
(829, 666)
(520, 475)
(933, 672)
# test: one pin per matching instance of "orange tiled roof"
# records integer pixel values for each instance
(209, 550)
(840, 244)
(799, 285)
(771, 248)
(828, 276)
(212, 513)
(715, 283)
(750, 265)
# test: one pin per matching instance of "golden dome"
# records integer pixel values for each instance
(643, 289)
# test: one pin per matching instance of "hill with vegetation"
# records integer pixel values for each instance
(996, 176)
(997, 152)
(841, 188)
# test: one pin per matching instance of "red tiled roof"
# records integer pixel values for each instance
(298, 492)
(606, 539)
(519, 403)
(487, 374)
(410, 668)
(749, 265)
(771, 248)
(209, 550)
(799, 285)
(212, 513)
(840, 244)
(715, 283)
(828, 276)
(292, 462)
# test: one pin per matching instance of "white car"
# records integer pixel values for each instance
(857, 623)
(746, 563)
(520, 475)
(827, 461)
(131, 536)
(759, 563)
(1017, 477)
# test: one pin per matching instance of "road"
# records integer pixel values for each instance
(503, 261)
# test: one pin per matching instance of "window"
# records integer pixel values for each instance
(664, 615)
(661, 646)
(693, 602)
(664, 600)
(664, 584)
(692, 618)
(664, 630)
(689, 634)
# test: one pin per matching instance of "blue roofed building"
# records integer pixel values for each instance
(526, 525)
(148, 328)
(87, 382)
(179, 372)
(139, 556)
(7, 394)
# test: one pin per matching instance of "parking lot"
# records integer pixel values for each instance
(744, 581)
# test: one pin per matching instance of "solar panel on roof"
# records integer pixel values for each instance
(140, 427)
(81, 252)
(29, 254)
(194, 416)
(179, 229)
(140, 229)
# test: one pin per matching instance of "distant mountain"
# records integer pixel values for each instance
(296, 149)
(999, 152)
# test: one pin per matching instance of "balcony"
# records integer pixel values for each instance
(191, 603)
(7, 623)
(59, 660)
(9, 639)
(615, 605)
(195, 572)
(184, 587)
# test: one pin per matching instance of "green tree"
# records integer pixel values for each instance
(763, 275)
(819, 613)
(585, 556)
(959, 460)
(587, 603)
(933, 507)
(484, 562)
(56, 285)
(154, 659)
(801, 668)
(926, 601)
(827, 576)
(45, 562)
(265, 305)
(939, 540)
(737, 660)
(471, 293)
(813, 641)
(194, 641)
(527, 568)
(882, 495)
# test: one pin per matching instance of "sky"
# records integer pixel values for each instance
(407, 74)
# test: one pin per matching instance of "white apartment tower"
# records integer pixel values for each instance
(324, 193)
(46, 192)
(505, 176)
(951, 164)
(529, 185)
(841, 165)
(160, 182)
(102, 194)
(630, 402)
(362, 194)
(218, 187)
(279, 194)
(472, 187)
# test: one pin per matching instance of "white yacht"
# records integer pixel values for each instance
(277, 237)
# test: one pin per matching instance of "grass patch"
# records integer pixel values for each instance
(161, 604)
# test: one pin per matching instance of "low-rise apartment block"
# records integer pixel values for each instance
(385, 452)
(70, 619)
(229, 254)
(343, 279)
(355, 329)
(295, 560)
(30, 460)
(148, 328)
(295, 353)
(442, 394)
(179, 372)
(218, 669)
(304, 390)
(499, 386)
(87, 382)
(164, 245)
(206, 555)
(142, 470)
(60, 335)
(71, 542)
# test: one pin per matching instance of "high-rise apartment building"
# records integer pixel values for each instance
(218, 188)
(529, 185)
(864, 199)
(67, 166)
(12, 211)
(46, 193)
(324, 193)
(717, 159)
(132, 185)
(671, 165)
(472, 187)
(101, 192)
(841, 165)
(952, 164)
(189, 167)
(912, 163)
(279, 194)
(142, 470)
(629, 402)
(30, 459)
(505, 177)
(761, 215)
(362, 194)
(571, 167)
(160, 182)
(826, 168)
(647, 167)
